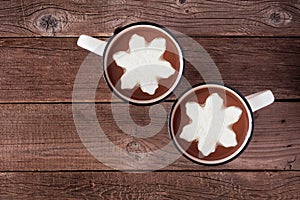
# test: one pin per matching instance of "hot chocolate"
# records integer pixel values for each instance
(179, 119)
(120, 42)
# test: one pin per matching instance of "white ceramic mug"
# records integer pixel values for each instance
(248, 104)
(105, 49)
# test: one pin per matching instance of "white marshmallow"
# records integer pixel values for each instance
(211, 124)
(143, 64)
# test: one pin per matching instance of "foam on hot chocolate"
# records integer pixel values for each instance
(143, 64)
(211, 124)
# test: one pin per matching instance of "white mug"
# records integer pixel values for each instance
(105, 49)
(248, 104)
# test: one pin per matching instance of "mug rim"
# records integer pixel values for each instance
(169, 91)
(232, 156)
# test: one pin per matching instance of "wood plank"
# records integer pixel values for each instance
(201, 18)
(44, 69)
(159, 185)
(39, 137)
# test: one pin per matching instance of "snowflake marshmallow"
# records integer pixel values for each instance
(143, 64)
(211, 124)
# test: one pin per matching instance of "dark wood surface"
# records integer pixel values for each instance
(158, 185)
(42, 137)
(255, 44)
(49, 74)
(209, 18)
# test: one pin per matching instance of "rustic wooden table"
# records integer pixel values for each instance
(255, 45)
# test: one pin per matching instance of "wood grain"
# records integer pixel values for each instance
(159, 185)
(255, 44)
(44, 69)
(19, 18)
(39, 137)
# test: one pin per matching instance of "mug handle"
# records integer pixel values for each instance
(260, 100)
(92, 44)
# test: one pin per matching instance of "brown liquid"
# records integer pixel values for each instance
(180, 119)
(114, 72)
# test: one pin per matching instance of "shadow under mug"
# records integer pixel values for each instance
(248, 105)
(112, 72)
